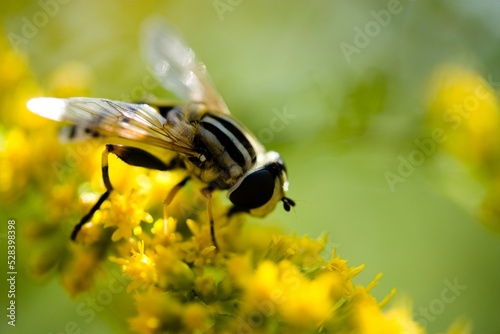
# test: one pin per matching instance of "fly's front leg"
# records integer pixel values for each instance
(169, 199)
(207, 192)
(130, 155)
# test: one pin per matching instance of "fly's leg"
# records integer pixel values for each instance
(97, 205)
(207, 192)
(130, 155)
(169, 199)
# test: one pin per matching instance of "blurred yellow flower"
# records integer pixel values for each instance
(466, 110)
(160, 312)
(371, 321)
(78, 274)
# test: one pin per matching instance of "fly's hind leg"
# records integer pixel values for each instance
(97, 205)
(130, 155)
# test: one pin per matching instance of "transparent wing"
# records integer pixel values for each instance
(176, 67)
(136, 122)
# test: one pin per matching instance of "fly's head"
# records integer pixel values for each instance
(262, 187)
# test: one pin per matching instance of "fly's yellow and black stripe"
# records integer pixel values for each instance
(228, 136)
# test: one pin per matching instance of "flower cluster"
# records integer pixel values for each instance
(259, 281)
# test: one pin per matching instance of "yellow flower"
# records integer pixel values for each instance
(124, 213)
(368, 318)
(139, 267)
(205, 288)
(160, 312)
(401, 316)
(465, 108)
(78, 274)
(174, 273)
(309, 304)
(347, 273)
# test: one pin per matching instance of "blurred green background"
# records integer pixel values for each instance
(355, 101)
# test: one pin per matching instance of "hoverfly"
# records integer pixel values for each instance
(205, 138)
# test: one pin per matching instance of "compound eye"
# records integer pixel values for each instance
(255, 190)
